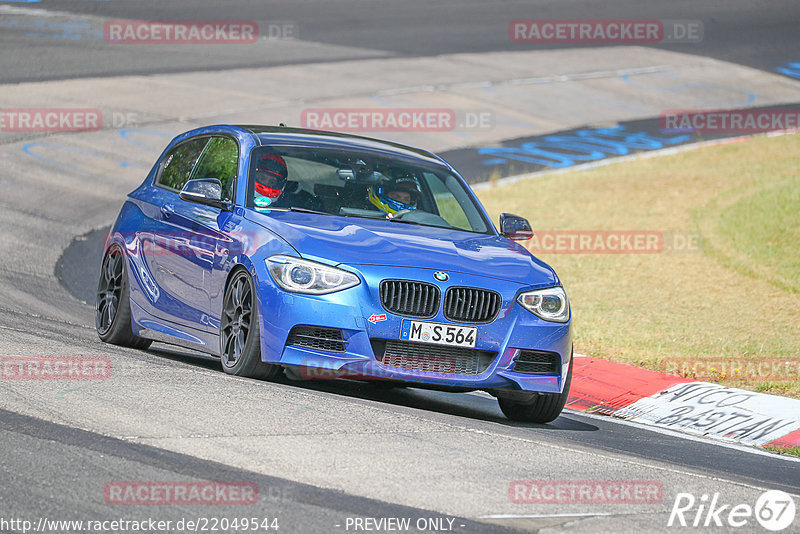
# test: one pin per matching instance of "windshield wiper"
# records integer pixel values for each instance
(305, 210)
(406, 222)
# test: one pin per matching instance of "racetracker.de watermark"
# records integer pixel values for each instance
(744, 121)
(55, 368)
(180, 493)
(772, 369)
(324, 369)
(585, 492)
(612, 242)
(190, 244)
(144, 525)
(395, 119)
(48, 120)
(196, 32)
(607, 31)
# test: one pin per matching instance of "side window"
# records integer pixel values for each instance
(220, 160)
(178, 164)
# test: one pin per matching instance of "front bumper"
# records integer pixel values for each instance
(515, 329)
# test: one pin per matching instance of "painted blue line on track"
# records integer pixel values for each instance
(560, 151)
(27, 148)
(126, 133)
(790, 69)
(72, 30)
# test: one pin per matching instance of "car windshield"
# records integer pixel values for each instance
(360, 184)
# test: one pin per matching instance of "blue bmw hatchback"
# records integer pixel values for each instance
(324, 255)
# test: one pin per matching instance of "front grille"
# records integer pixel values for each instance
(534, 362)
(317, 337)
(471, 305)
(432, 358)
(412, 299)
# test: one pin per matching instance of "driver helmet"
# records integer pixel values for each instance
(396, 194)
(270, 178)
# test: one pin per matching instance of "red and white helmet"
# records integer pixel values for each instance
(270, 175)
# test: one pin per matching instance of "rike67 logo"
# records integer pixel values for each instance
(774, 510)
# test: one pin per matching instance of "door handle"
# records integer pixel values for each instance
(167, 210)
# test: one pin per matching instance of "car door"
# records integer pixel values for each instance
(174, 257)
(215, 230)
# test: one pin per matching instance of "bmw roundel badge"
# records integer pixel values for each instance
(440, 276)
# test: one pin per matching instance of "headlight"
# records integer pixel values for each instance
(303, 276)
(550, 304)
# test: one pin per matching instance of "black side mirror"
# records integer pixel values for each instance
(206, 191)
(515, 227)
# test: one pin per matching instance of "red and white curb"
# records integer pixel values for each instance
(677, 403)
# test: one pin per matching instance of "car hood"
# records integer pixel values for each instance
(354, 241)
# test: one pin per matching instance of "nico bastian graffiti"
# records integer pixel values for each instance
(563, 149)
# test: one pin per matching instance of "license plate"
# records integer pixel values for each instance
(439, 333)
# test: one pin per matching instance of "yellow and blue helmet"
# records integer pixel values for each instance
(396, 194)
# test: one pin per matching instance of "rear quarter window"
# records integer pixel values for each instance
(178, 164)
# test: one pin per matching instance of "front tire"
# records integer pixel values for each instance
(542, 408)
(240, 340)
(113, 304)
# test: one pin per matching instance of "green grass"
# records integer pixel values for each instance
(734, 297)
(786, 450)
(773, 242)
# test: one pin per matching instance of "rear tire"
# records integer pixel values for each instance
(113, 305)
(542, 408)
(239, 333)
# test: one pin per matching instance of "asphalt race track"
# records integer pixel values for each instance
(762, 36)
(324, 453)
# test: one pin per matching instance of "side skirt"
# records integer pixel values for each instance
(146, 326)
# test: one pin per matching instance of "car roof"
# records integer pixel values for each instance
(284, 135)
